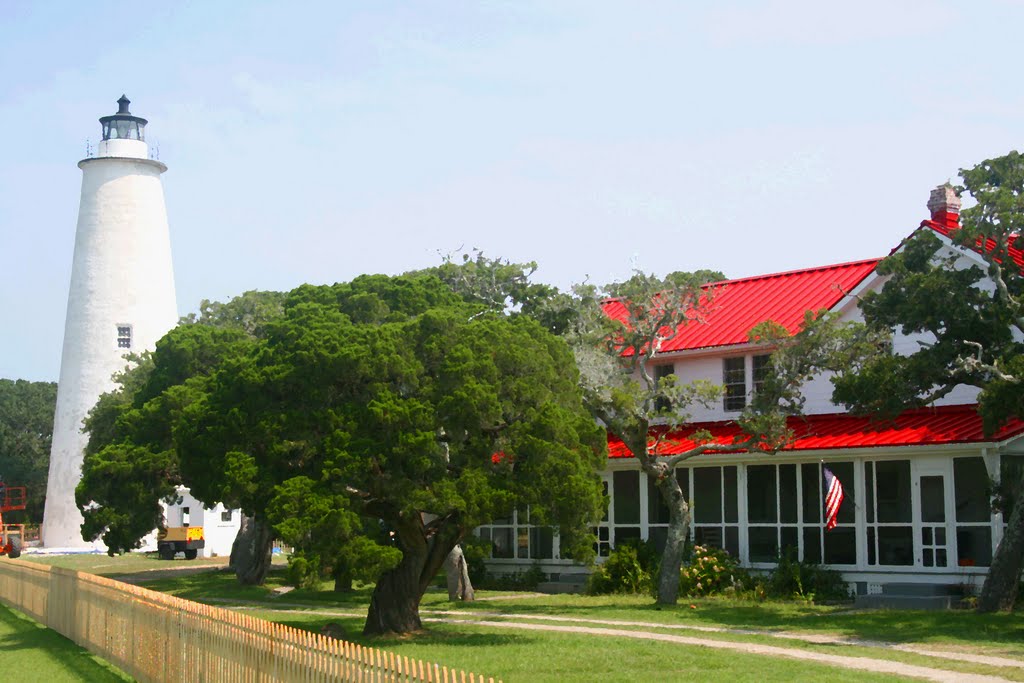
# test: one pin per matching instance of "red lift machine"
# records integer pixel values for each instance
(11, 535)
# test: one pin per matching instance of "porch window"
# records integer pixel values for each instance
(513, 537)
(774, 509)
(715, 509)
(888, 512)
(603, 530)
(626, 504)
(973, 512)
(840, 543)
(657, 511)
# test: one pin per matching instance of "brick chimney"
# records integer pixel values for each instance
(944, 205)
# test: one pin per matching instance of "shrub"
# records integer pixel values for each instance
(630, 568)
(712, 571)
(516, 581)
(304, 572)
(792, 578)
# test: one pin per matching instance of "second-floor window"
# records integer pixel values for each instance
(760, 366)
(738, 383)
(734, 381)
(660, 373)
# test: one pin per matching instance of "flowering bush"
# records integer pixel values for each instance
(711, 571)
(792, 579)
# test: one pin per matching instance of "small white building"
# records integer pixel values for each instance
(220, 525)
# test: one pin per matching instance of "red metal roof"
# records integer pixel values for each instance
(739, 305)
(947, 230)
(924, 426)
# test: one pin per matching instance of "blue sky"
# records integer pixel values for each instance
(312, 142)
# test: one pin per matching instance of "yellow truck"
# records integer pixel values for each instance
(180, 539)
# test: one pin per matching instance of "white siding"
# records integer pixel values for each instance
(121, 276)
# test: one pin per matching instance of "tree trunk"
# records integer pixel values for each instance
(459, 585)
(679, 514)
(395, 603)
(342, 578)
(251, 551)
(678, 532)
(1003, 581)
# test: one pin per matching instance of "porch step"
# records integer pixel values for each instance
(935, 602)
(926, 596)
(921, 589)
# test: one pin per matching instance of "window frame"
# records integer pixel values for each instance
(734, 383)
(743, 379)
(125, 336)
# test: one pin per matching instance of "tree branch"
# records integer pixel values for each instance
(975, 364)
(745, 445)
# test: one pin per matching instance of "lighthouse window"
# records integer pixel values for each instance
(124, 336)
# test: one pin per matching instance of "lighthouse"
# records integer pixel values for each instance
(121, 299)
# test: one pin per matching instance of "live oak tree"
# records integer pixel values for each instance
(973, 322)
(394, 417)
(26, 431)
(620, 386)
(498, 286)
(131, 462)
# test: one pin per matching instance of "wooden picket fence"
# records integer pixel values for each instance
(159, 638)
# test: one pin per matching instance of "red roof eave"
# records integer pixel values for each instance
(920, 427)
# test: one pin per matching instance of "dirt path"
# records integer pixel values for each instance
(573, 625)
(883, 666)
(817, 638)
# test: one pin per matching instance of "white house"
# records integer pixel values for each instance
(917, 508)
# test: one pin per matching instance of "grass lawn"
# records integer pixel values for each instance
(130, 563)
(525, 655)
(517, 655)
(32, 653)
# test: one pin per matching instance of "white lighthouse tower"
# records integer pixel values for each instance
(121, 299)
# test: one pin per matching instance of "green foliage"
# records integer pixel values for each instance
(972, 333)
(520, 580)
(476, 551)
(793, 579)
(970, 317)
(370, 423)
(497, 285)
(132, 458)
(26, 432)
(712, 571)
(629, 568)
(249, 312)
(303, 572)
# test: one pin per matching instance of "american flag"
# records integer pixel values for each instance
(833, 497)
